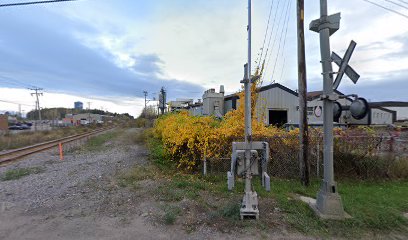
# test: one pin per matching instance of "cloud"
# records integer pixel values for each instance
(116, 49)
(43, 55)
(149, 64)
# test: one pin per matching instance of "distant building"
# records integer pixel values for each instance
(213, 102)
(78, 105)
(180, 104)
(401, 108)
(276, 104)
(3, 123)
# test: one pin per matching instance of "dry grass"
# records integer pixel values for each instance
(18, 140)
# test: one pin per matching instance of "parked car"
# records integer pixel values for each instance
(14, 127)
(25, 127)
(19, 126)
(28, 123)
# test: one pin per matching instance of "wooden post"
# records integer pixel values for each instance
(302, 89)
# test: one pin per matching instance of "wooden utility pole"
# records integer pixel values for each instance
(302, 86)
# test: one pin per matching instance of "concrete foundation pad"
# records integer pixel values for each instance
(249, 207)
(312, 203)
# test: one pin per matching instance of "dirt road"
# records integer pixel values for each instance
(80, 198)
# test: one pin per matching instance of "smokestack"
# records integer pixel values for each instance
(222, 89)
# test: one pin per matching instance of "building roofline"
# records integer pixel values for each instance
(389, 104)
(265, 88)
(321, 92)
(382, 109)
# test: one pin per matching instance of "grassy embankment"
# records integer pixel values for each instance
(18, 140)
(375, 207)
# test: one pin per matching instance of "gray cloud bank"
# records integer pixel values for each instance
(38, 48)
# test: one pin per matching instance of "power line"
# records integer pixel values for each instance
(31, 3)
(5, 101)
(284, 39)
(403, 1)
(16, 82)
(397, 4)
(276, 36)
(266, 34)
(388, 9)
(270, 36)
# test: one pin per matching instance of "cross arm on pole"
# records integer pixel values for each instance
(344, 67)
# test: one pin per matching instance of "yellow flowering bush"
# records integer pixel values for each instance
(188, 139)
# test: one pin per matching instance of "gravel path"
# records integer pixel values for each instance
(79, 198)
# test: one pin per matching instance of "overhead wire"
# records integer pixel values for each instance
(266, 34)
(276, 36)
(387, 8)
(403, 1)
(32, 3)
(15, 82)
(397, 4)
(284, 39)
(283, 68)
(6, 101)
(270, 36)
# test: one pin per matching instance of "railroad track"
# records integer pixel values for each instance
(15, 154)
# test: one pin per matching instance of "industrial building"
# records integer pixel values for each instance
(180, 104)
(279, 105)
(276, 104)
(401, 109)
(84, 118)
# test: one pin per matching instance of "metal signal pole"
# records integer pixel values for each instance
(302, 86)
(249, 205)
(328, 202)
(248, 117)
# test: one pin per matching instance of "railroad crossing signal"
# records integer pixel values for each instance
(344, 68)
(332, 22)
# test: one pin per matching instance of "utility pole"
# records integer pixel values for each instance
(37, 103)
(328, 202)
(302, 86)
(89, 112)
(145, 97)
(19, 111)
(162, 100)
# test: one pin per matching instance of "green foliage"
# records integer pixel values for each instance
(170, 214)
(97, 142)
(374, 207)
(136, 174)
(53, 113)
(18, 173)
(231, 211)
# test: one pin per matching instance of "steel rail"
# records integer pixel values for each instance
(15, 154)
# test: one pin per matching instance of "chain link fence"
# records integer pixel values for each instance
(359, 157)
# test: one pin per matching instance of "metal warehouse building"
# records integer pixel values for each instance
(276, 104)
(401, 108)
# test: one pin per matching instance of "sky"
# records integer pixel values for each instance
(107, 52)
